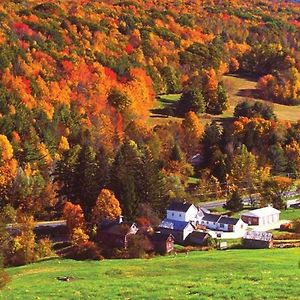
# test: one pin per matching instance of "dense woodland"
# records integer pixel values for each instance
(78, 80)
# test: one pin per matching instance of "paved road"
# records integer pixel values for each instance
(42, 224)
(246, 200)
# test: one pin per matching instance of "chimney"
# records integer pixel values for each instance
(120, 219)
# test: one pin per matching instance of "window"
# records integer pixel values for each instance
(221, 225)
(179, 215)
(172, 214)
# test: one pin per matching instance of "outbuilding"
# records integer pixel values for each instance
(198, 238)
(262, 216)
(258, 240)
(162, 243)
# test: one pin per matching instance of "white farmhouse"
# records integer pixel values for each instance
(223, 223)
(184, 212)
(181, 220)
(231, 224)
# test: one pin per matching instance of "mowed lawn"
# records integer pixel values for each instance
(230, 274)
(290, 214)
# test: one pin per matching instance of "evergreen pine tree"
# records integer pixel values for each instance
(235, 203)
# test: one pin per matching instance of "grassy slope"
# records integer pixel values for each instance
(238, 89)
(231, 274)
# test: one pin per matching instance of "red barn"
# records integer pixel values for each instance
(162, 243)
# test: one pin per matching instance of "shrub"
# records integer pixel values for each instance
(296, 226)
(44, 248)
(86, 250)
(138, 246)
(3, 278)
(79, 237)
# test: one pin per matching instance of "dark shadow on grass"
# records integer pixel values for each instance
(248, 93)
(244, 75)
(166, 101)
(168, 111)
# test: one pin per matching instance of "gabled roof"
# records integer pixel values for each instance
(261, 212)
(161, 237)
(228, 220)
(120, 229)
(179, 206)
(198, 235)
(211, 217)
(259, 236)
(174, 225)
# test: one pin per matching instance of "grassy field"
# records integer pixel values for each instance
(290, 214)
(230, 274)
(159, 114)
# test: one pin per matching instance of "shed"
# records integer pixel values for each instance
(258, 240)
(198, 238)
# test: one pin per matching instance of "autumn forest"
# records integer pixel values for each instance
(79, 84)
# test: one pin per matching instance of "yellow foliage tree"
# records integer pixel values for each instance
(5, 148)
(8, 167)
(107, 207)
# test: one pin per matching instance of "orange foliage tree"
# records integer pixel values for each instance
(74, 216)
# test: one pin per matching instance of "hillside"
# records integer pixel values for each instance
(232, 274)
(103, 105)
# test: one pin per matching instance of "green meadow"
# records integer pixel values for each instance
(231, 274)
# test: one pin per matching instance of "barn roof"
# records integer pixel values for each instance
(179, 206)
(198, 235)
(161, 237)
(261, 212)
(258, 236)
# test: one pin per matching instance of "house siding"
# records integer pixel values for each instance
(182, 216)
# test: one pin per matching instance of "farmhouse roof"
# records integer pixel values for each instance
(228, 220)
(179, 206)
(261, 212)
(175, 225)
(258, 236)
(211, 217)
